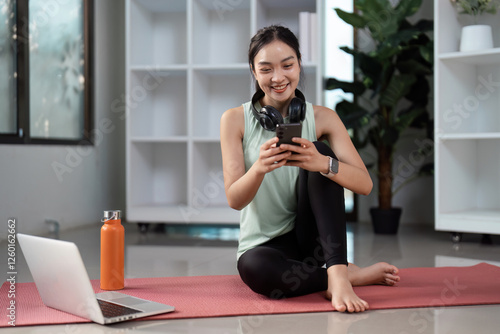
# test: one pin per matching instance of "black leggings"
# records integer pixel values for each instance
(292, 264)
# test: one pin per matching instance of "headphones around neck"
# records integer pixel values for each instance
(269, 117)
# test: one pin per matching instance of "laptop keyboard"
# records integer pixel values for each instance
(110, 310)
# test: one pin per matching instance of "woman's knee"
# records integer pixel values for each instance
(258, 268)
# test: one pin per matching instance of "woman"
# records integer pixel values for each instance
(293, 228)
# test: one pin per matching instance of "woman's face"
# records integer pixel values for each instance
(277, 70)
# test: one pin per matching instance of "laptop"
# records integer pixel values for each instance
(63, 283)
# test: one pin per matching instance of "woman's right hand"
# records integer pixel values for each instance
(271, 157)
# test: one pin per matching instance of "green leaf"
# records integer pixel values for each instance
(401, 37)
(352, 115)
(427, 52)
(347, 110)
(353, 19)
(407, 8)
(385, 53)
(403, 121)
(379, 16)
(372, 6)
(398, 87)
(413, 66)
(357, 88)
(365, 65)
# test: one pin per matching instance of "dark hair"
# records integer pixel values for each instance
(270, 34)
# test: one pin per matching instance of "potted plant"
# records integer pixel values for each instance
(476, 36)
(391, 90)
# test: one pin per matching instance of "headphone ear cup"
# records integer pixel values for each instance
(266, 123)
(297, 110)
(270, 117)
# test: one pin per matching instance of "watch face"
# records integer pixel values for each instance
(334, 166)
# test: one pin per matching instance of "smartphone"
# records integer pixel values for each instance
(285, 133)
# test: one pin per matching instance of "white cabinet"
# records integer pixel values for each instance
(467, 128)
(186, 63)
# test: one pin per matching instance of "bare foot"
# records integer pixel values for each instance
(340, 291)
(378, 273)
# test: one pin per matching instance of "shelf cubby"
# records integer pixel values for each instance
(449, 33)
(158, 32)
(157, 175)
(208, 180)
(285, 12)
(220, 33)
(158, 103)
(469, 185)
(471, 103)
(216, 91)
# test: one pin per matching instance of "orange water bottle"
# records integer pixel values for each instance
(112, 251)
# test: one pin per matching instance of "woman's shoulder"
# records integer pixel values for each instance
(327, 121)
(234, 113)
(322, 112)
(321, 109)
(233, 119)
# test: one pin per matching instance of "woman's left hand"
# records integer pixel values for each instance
(306, 156)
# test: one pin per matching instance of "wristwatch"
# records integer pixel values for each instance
(333, 167)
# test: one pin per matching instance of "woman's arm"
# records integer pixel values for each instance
(241, 187)
(352, 174)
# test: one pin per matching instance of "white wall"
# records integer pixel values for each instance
(30, 189)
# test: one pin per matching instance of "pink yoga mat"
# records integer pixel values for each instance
(218, 296)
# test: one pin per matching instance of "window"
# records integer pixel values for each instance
(45, 71)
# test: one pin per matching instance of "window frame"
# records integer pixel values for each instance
(23, 134)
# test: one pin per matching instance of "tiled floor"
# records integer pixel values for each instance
(187, 251)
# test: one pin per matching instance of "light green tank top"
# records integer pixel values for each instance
(272, 211)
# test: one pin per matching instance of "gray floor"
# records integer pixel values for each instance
(188, 251)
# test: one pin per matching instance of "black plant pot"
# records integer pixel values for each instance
(385, 221)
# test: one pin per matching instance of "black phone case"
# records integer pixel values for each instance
(285, 133)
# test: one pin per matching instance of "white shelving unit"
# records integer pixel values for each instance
(467, 128)
(187, 64)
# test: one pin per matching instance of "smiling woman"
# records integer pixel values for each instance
(44, 51)
(291, 197)
(278, 77)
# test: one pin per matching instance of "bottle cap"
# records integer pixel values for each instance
(111, 215)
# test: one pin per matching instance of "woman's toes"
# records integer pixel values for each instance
(340, 307)
(359, 307)
(351, 308)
